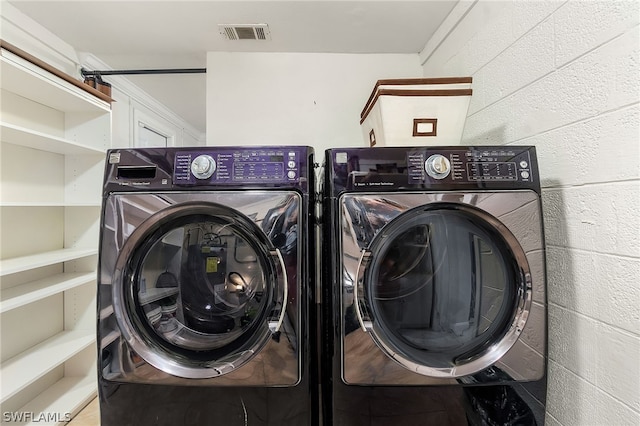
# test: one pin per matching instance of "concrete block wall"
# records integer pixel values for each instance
(564, 76)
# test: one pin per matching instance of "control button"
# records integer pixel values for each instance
(291, 174)
(203, 166)
(292, 164)
(524, 164)
(437, 166)
(524, 174)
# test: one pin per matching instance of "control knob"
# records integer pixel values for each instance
(203, 166)
(437, 166)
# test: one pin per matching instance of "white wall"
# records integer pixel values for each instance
(132, 104)
(294, 98)
(25, 33)
(563, 76)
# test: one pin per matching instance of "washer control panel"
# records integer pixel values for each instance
(237, 166)
(470, 165)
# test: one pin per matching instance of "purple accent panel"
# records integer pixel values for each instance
(470, 167)
(150, 169)
(238, 166)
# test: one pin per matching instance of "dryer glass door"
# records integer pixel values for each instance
(443, 289)
(202, 289)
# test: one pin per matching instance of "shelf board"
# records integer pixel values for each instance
(109, 338)
(155, 294)
(23, 136)
(67, 395)
(106, 312)
(30, 292)
(27, 367)
(29, 81)
(25, 263)
(146, 206)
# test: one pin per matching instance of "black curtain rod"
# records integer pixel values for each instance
(87, 73)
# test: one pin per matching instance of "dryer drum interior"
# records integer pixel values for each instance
(444, 289)
(221, 290)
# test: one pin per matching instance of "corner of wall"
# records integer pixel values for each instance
(457, 14)
(20, 30)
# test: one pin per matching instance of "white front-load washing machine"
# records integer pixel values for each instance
(203, 292)
(434, 291)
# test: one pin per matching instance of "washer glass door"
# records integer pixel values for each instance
(202, 289)
(443, 289)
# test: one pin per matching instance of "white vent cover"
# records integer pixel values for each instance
(245, 31)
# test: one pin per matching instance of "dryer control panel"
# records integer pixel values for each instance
(237, 166)
(466, 166)
(432, 168)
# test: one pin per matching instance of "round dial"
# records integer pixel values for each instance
(203, 166)
(437, 166)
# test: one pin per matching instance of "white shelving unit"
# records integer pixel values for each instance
(155, 294)
(25, 368)
(54, 139)
(33, 291)
(25, 263)
(29, 138)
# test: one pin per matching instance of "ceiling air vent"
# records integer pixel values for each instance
(245, 32)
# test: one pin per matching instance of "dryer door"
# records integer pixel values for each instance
(444, 289)
(199, 288)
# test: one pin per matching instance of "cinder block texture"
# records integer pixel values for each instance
(584, 25)
(591, 151)
(563, 76)
(599, 286)
(573, 401)
(596, 218)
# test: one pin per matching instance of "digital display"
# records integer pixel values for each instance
(492, 171)
(258, 171)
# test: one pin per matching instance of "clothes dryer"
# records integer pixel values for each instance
(203, 292)
(434, 291)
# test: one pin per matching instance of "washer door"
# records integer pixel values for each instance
(443, 289)
(199, 289)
